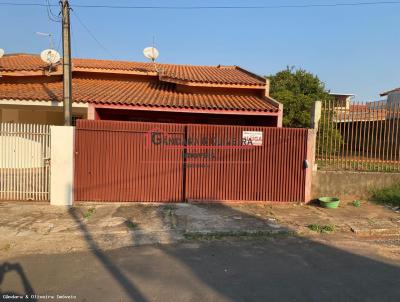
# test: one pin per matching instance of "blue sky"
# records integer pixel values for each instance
(352, 49)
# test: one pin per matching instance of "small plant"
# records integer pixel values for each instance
(89, 213)
(321, 228)
(356, 203)
(131, 225)
(169, 210)
(389, 195)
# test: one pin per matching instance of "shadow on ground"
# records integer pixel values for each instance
(21, 281)
(209, 267)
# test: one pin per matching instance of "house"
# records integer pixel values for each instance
(342, 100)
(391, 92)
(31, 92)
(392, 98)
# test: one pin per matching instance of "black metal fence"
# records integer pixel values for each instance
(359, 136)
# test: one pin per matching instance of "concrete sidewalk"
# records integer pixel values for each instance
(27, 228)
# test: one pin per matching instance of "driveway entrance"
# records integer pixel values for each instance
(163, 162)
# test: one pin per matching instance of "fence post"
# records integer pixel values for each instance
(311, 135)
(280, 116)
(316, 114)
(315, 117)
(62, 165)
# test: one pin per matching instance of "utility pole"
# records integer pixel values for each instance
(67, 73)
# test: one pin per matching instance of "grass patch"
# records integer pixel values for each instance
(236, 235)
(169, 208)
(339, 164)
(169, 215)
(131, 225)
(89, 213)
(322, 228)
(356, 203)
(389, 195)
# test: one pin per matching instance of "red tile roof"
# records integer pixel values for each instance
(219, 75)
(21, 62)
(360, 112)
(138, 93)
(358, 107)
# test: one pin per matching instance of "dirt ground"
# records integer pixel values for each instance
(38, 228)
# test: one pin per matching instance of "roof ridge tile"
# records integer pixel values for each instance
(224, 75)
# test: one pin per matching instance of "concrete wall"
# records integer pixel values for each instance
(350, 184)
(62, 165)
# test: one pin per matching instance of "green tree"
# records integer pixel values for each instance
(297, 89)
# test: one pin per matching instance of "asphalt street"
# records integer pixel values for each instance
(285, 269)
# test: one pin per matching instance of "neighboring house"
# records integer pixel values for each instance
(392, 98)
(116, 90)
(373, 111)
(391, 92)
(370, 127)
(342, 100)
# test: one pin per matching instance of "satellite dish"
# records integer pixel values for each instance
(50, 56)
(151, 53)
(1, 52)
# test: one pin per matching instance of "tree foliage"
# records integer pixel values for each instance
(329, 139)
(297, 89)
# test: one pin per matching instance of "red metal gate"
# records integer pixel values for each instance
(114, 161)
(273, 171)
(135, 161)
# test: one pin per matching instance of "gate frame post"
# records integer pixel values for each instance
(311, 139)
(315, 118)
(62, 165)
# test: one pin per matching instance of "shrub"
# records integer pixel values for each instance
(389, 195)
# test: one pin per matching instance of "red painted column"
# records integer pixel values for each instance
(92, 113)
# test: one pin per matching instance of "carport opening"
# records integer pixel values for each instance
(185, 118)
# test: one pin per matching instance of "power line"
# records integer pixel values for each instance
(289, 6)
(50, 13)
(92, 35)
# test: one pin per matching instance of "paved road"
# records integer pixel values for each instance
(272, 270)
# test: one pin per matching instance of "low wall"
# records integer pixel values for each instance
(350, 184)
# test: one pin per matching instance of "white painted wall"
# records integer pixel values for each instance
(62, 165)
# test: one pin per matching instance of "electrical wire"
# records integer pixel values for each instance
(50, 13)
(74, 49)
(92, 35)
(289, 6)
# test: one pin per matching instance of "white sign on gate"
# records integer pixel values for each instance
(254, 138)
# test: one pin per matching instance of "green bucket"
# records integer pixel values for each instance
(329, 202)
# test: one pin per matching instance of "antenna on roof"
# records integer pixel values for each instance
(51, 57)
(51, 44)
(151, 53)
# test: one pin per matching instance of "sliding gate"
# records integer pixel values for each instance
(137, 161)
